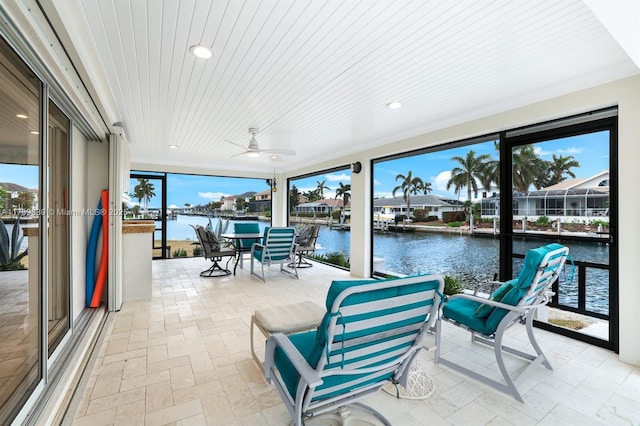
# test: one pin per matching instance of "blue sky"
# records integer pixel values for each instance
(590, 150)
(197, 189)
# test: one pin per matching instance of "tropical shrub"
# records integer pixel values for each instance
(334, 258)
(543, 221)
(10, 247)
(420, 215)
(197, 251)
(458, 216)
(180, 253)
(399, 218)
(452, 286)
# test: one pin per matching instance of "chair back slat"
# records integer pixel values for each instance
(371, 347)
(279, 244)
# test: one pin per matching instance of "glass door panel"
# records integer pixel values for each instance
(20, 304)
(58, 281)
(561, 192)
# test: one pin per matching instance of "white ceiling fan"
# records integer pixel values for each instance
(253, 150)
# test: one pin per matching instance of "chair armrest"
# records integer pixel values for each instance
(493, 285)
(254, 245)
(490, 302)
(308, 374)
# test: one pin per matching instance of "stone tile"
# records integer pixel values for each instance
(134, 367)
(114, 401)
(142, 381)
(157, 353)
(130, 414)
(471, 414)
(174, 413)
(123, 356)
(158, 395)
(198, 420)
(168, 364)
(182, 377)
(200, 362)
(100, 418)
(106, 384)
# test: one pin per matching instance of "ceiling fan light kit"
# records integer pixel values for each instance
(253, 150)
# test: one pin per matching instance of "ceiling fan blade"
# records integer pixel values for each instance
(236, 144)
(279, 151)
(239, 154)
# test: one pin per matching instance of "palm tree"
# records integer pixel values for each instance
(409, 185)
(470, 169)
(143, 192)
(344, 191)
(559, 166)
(528, 168)
(491, 171)
(321, 187)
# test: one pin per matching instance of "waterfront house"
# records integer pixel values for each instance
(323, 207)
(388, 208)
(93, 89)
(574, 200)
(260, 202)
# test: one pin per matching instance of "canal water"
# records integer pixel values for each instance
(473, 260)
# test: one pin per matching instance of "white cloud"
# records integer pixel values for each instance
(172, 206)
(211, 196)
(572, 150)
(539, 151)
(339, 178)
(376, 181)
(440, 181)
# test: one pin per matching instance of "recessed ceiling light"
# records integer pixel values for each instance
(394, 105)
(34, 132)
(174, 146)
(201, 51)
(21, 116)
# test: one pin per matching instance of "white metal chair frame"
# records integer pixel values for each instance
(381, 350)
(278, 247)
(537, 297)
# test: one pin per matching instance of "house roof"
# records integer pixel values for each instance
(417, 200)
(576, 182)
(325, 202)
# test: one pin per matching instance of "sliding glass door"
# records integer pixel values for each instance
(562, 187)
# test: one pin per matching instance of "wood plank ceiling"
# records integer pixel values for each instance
(315, 76)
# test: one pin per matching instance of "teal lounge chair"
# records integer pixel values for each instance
(515, 301)
(369, 336)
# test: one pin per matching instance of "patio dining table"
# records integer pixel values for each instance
(236, 243)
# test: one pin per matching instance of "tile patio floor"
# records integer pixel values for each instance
(182, 358)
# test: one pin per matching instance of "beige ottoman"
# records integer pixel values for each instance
(286, 319)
